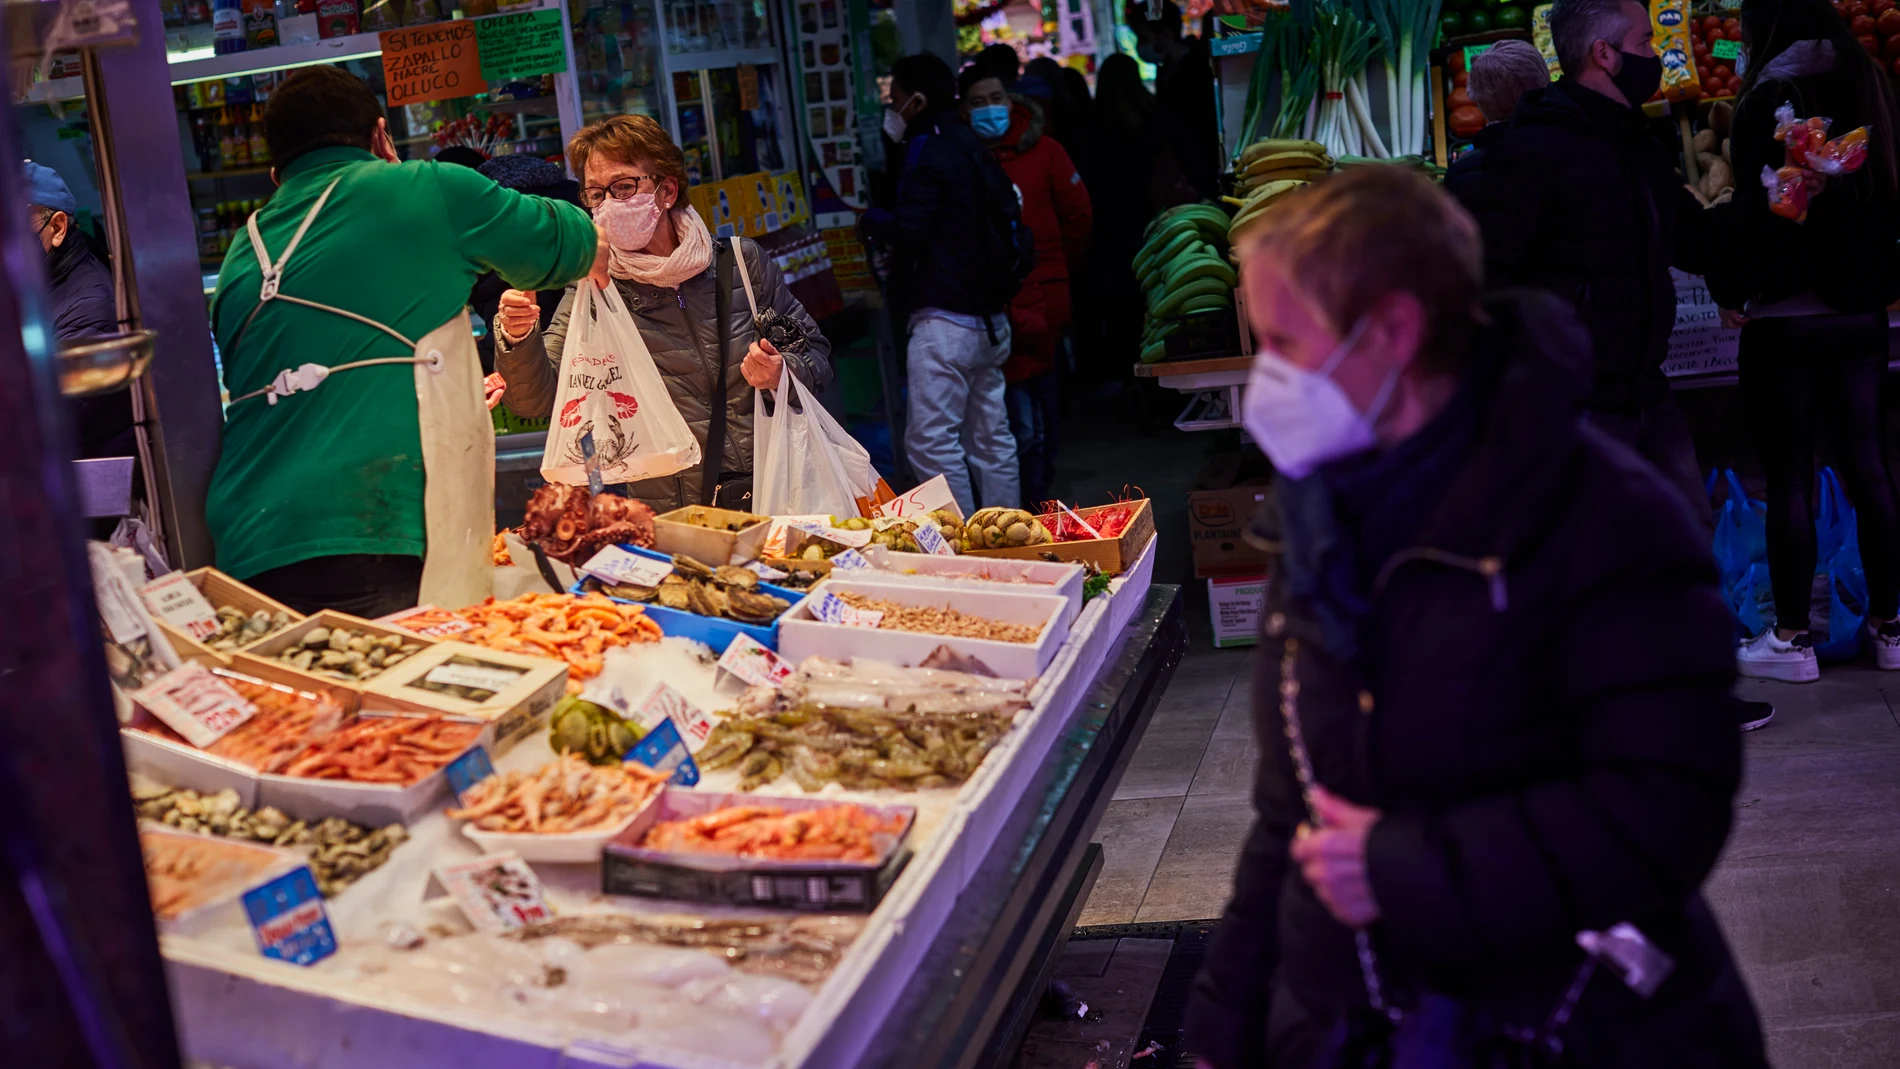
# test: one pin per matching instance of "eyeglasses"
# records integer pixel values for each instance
(625, 188)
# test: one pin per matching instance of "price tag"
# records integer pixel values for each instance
(616, 565)
(663, 750)
(118, 601)
(591, 463)
(832, 610)
(288, 919)
(663, 702)
(476, 676)
(850, 558)
(749, 659)
(926, 497)
(174, 599)
(497, 893)
(195, 703)
(468, 770)
(766, 571)
(1474, 51)
(931, 540)
(1725, 49)
(453, 625)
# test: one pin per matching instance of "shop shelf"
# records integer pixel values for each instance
(197, 67)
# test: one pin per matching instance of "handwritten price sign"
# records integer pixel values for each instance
(195, 703)
(922, 500)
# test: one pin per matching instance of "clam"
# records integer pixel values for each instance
(673, 595)
(318, 636)
(735, 576)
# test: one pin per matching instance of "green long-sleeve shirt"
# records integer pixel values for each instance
(338, 470)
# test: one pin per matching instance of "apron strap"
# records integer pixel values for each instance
(309, 376)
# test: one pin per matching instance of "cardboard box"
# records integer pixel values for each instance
(756, 201)
(627, 868)
(793, 210)
(1217, 524)
(536, 683)
(1112, 555)
(1234, 605)
(702, 533)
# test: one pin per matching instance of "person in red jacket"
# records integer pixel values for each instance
(1056, 210)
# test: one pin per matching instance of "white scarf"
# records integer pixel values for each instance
(687, 260)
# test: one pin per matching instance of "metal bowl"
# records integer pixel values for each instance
(104, 364)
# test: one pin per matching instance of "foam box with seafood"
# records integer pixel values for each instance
(803, 634)
(989, 573)
(318, 783)
(181, 764)
(715, 631)
(239, 758)
(509, 691)
(195, 880)
(630, 866)
(268, 654)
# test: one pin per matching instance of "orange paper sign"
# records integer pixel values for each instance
(438, 61)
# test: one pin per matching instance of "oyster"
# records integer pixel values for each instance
(748, 607)
(690, 568)
(734, 576)
(675, 595)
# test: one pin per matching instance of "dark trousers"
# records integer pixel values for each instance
(1661, 436)
(1796, 372)
(360, 584)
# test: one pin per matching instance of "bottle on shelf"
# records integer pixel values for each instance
(260, 147)
(227, 152)
(227, 27)
(260, 24)
(204, 140)
(241, 138)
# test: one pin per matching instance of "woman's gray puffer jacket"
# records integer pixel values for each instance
(680, 328)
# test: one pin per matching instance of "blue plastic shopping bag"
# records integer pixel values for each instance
(1741, 533)
(1838, 555)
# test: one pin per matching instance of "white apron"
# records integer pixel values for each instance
(458, 437)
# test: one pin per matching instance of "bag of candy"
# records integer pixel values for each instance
(1811, 159)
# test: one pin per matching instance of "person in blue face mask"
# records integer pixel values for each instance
(1055, 208)
(1492, 687)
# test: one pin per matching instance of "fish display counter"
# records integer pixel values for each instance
(675, 857)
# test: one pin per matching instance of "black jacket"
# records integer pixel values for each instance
(937, 225)
(1844, 252)
(80, 289)
(1578, 198)
(1547, 728)
(1462, 178)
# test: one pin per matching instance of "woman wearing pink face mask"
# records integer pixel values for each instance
(633, 178)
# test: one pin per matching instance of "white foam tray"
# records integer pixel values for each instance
(801, 634)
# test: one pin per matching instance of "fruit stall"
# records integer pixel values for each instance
(701, 789)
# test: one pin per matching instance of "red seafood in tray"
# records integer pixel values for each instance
(399, 749)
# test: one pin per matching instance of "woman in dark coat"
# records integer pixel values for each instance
(1500, 637)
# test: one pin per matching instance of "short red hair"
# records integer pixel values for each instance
(629, 139)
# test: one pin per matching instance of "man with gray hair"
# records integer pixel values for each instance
(1500, 75)
(1577, 196)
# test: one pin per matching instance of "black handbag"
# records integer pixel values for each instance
(1435, 1031)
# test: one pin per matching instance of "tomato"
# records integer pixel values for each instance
(1896, 67)
(1733, 28)
(1735, 87)
(1870, 43)
(1701, 54)
(1888, 23)
(1893, 46)
(1862, 24)
(1459, 99)
(1855, 9)
(1879, 7)
(1723, 70)
(1460, 78)
(1711, 22)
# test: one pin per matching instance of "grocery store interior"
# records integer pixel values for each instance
(844, 775)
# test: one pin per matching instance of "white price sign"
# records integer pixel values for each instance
(921, 500)
(931, 540)
(766, 572)
(615, 565)
(497, 893)
(695, 726)
(475, 676)
(176, 600)
(832, 610)
(850, 558)
(195, 703)
(749, 660)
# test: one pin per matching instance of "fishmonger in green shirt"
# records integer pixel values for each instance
(318, 496)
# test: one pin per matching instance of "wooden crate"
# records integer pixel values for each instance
(260, 657)
(1112, 555)
(220, 590)
(683, 531)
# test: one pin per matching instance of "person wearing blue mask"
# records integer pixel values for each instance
(1056, 209)
(83, 306)
(1499, 754)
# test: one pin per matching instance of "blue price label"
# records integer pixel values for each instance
(591, 461)
(663, 750)
(468, 770)
(288, 919)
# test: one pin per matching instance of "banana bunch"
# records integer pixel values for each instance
(1275, 160)
(1268, 171)
(1183, 268)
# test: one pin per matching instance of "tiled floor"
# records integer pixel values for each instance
(1808, 889)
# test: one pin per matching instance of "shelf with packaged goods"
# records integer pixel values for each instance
(201, 68)
(731, 57)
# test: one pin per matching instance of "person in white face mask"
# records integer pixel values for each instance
(1493, 688)
(633, 178)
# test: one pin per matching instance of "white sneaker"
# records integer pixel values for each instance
(1885, 640)
(1766, 656)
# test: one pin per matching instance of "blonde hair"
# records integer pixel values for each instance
(1351, 240)
(1503, 73)
(629, 139)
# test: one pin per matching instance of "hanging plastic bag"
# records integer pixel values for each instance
(1838, 543)
(1751, 600)
(610, 387)
(803, 462)
(1741, 531)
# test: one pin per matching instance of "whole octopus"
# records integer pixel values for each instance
(570, 524)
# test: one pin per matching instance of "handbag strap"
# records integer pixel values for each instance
(716, 428)
(1545, 1036)
(745, 278)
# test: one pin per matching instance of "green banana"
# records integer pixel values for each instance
(1270, 146)
(1200, 287)
(1182, 242)
(1183, 270)
(1208, 303)
(1154, 351)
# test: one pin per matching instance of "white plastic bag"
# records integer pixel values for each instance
(804, 462)
(610, 386)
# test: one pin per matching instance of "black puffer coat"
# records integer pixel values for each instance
(1579, 199)
(1548, 730)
